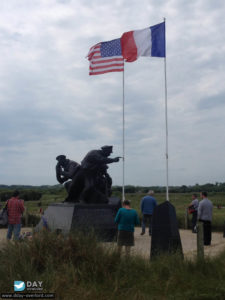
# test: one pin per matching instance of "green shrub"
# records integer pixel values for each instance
(29, 220)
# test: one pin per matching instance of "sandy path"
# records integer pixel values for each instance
(3, 233)
(143, 242)
(188, 240)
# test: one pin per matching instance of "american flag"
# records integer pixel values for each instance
(106, 57)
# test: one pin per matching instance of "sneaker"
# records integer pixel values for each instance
(142, 233)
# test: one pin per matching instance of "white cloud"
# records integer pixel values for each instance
(50, 106)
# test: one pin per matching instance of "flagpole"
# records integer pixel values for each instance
(166, 122)
(123, 125)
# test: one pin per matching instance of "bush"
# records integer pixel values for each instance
(30, 220)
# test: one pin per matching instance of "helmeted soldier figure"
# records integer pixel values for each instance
(90, 181)
(66, 170)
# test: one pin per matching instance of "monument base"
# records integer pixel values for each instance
(66, 217)
(165, 233)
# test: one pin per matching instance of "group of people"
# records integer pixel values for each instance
(202, 211)
(127, 219)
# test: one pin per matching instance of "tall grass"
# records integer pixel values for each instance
(78, 267)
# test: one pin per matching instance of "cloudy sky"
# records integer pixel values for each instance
(49, 105)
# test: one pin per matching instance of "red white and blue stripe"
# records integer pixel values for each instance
(109, 56)
(106, 57)
(145, 42)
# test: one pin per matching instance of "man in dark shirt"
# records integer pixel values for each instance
(148, 203)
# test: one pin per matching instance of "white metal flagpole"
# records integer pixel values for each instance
(123, 125)
(166, 121)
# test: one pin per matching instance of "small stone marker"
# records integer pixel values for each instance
(165, 232)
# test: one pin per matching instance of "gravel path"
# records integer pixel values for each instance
(188, 240)
(142, 243)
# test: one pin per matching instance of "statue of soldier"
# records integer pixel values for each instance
(66, 170)
(95, 164)
(90, 181)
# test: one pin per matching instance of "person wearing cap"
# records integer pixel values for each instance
(148, 204)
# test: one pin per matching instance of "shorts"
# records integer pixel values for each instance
(125, 238)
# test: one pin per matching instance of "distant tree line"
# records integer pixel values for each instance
(30, 187)
(29, 192)
(29, 195)
(208, 187)
(34, 193)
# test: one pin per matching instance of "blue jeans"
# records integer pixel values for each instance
(15, 229)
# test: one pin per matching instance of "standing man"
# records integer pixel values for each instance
(127, 219)
(205, 210)
(194, 205)
(148, 203)
(15, 208)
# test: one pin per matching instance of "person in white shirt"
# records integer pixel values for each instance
(205, 210)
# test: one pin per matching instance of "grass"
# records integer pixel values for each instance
(179, 200)
(78, 267)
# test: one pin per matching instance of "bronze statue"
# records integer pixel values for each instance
(65, 170)
(88, 182)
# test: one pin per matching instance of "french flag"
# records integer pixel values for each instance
(145, 42)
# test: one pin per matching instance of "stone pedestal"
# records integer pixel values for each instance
(165, 233)
(66, 217)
